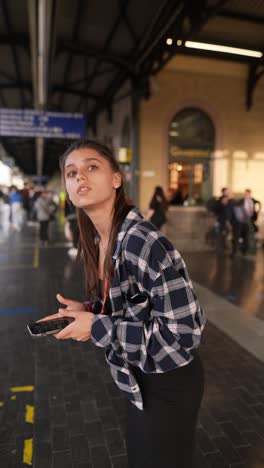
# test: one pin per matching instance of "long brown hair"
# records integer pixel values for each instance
(88, 248)
(159, 192)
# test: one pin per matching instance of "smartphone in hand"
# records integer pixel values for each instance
(49, 327)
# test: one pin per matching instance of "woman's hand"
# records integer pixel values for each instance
(71, 305)
(80, 329)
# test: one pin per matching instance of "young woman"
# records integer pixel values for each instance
(149, 322)
(157, 208)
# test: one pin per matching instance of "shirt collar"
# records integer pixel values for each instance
(133, 217)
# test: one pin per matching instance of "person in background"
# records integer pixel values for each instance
(157, 208)
(53, 209)
(4, 217)
(224, 214)
(225, 192)
(5, 193)
(43, 211)
(252, 208)
(25, 199)
(144, 312)
(16, 205)
(31, 203)
(71, 229)
(197, 199)
(175, 197)
(221, 224)
(241, 228)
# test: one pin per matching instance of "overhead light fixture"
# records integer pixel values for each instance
(224, 49)
(169, 41)
(179, 42)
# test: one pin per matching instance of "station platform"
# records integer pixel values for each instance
(59, 407)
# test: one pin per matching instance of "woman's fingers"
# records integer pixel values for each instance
(67, 313)
(71, 332)
(65, 333)
(63, 300)
(71, 305)
(80, 329)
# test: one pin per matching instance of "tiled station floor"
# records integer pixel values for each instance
(239, 281)
(57, 399)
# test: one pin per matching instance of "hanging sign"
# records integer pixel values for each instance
(124, 155)
(34, 123)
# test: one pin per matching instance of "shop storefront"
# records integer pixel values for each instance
(191, 142)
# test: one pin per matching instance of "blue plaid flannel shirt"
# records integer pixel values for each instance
(159, 333)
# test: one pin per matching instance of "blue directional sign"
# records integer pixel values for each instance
(34, 123)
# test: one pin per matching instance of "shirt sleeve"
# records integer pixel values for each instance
(172, 319)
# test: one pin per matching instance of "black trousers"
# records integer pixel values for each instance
(163, 434)
(240, 230)
(43, 232)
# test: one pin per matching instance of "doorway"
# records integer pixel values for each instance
(191, 144)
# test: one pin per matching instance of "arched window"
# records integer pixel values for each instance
(191, 136)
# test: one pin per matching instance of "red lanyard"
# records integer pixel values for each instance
(105, 296)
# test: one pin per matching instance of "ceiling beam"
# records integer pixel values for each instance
(75, 92)
(7, 76)
(161, 34)
(256, 71)
(86, 77)
(16, 84)
(152, 27)
(129, 25)
(13, 50)
(143, 44)
(33, 26)
(74, 38)
(123, 4)
(80, 102)
(17, 40)
(234, 15)
(197, 20)
(146, 55)
(55, 89)
(138, 45)
(101, 56)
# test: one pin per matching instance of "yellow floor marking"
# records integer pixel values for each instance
(30, 412)
(13, 397)
(36, 257)
(28, 450)
(1, 404)
(26, 388)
